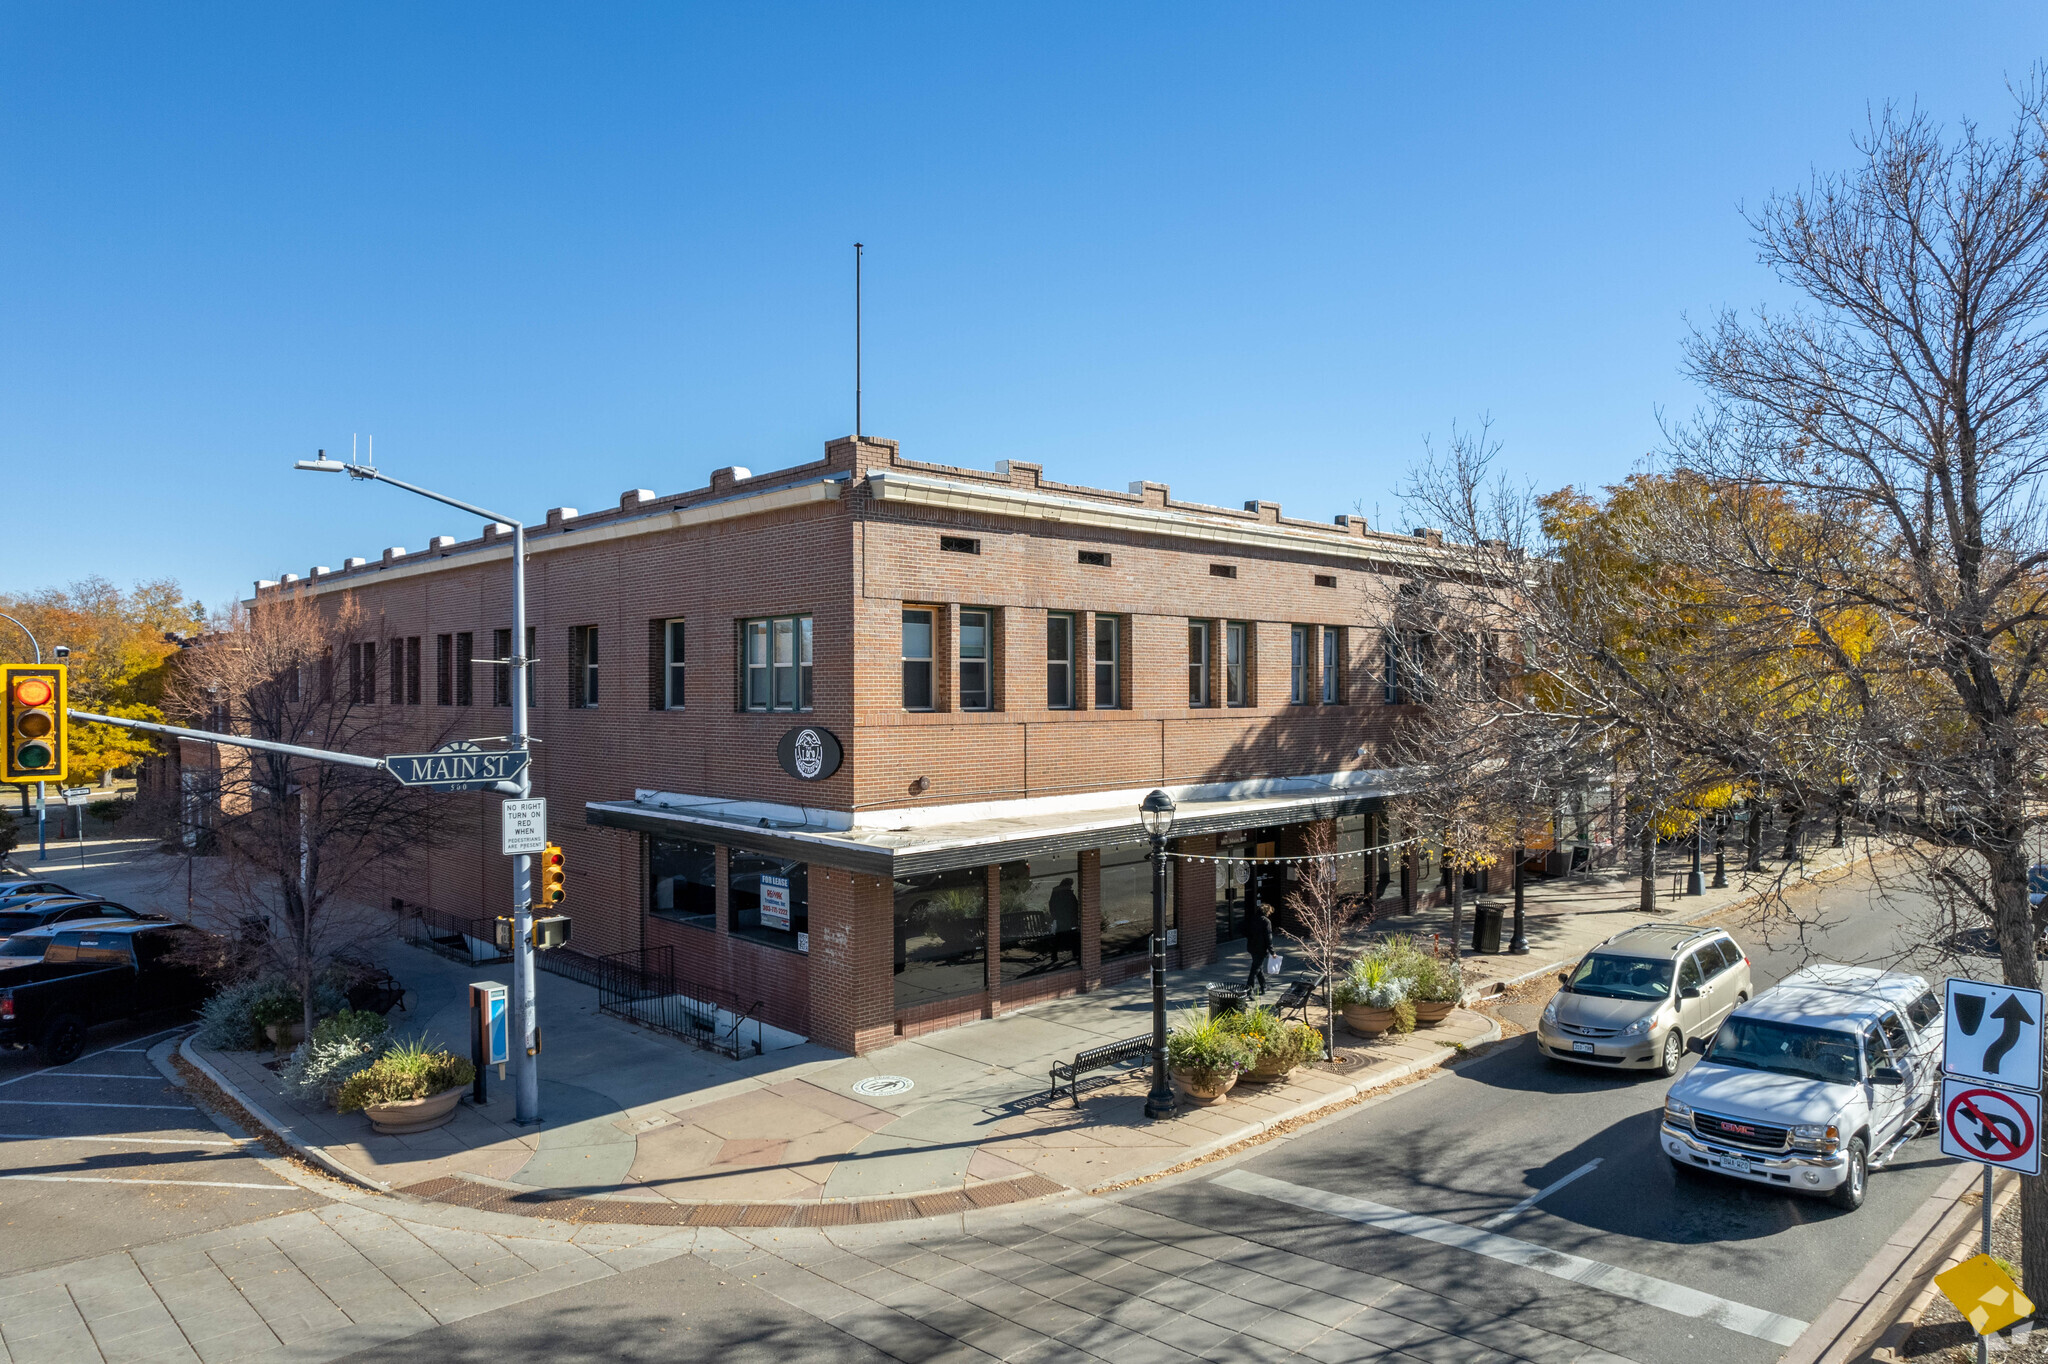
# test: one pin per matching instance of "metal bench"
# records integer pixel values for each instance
(1294, 1001)
(1109, 1054)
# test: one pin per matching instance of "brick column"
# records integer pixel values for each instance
(1090, 869)
(1194, 889)
(853, 981)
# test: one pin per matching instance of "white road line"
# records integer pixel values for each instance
(79, 1103)
(1533, 1199)
(90, 1075)
(49, 1070)
(192, 1183)
(1622, 1283)
(129, 1141)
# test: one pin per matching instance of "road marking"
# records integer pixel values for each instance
(192, 1183)
(1622, 1283)
(77, 1103)
(90, 1075)
(50, 1070)
(1533, 1199)
(129, 1141)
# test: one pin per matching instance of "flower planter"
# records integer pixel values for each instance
(1203, 1086)
(285, 1036)
(1270, 1070)
(414, 1115)
(1430, 1012)
(1367, 1021)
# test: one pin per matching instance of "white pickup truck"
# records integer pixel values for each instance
(1814, 1083)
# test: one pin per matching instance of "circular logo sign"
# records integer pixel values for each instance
(809, 753)
(880, 1086)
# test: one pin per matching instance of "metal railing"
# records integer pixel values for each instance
(456, 935)
(640, 986)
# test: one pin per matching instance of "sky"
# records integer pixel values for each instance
(543, 254)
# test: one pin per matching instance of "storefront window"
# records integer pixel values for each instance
(682, 880)
(941, 936)
(1041, 909)
(1127, 900)
(767, 898)
(1351, 838)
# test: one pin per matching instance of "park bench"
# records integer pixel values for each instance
(1109, 1054)
(1294, 1001)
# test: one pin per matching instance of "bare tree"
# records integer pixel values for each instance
(301, 839)
(1327, 917)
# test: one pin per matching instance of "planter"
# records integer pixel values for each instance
(1269, 1070)
(285, 1036)
(1365, 1020)
(415, 1115)
(1203, 1086)
(1430, 1012)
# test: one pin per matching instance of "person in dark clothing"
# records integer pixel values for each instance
(1063, 909)
(1258, 940)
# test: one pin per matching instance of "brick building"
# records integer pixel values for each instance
(863, 741)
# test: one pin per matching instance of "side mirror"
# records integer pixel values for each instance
(1886, 1075)
(1689, 992)
(1564, 978)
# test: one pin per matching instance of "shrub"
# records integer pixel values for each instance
(234, 1019)
(340, 1047)
(1439, 980)
(107, 811)
(1372, 982)
(1201, 1043)
(1273, 1039)
(408, 1070)
(1404, 1016)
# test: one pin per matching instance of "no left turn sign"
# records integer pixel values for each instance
(1991, 1126)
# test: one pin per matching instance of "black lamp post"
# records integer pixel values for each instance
(1720, 852)
(1156, 814)
(1695, 880)
(1519, 945)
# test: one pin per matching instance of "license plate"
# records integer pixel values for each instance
(1732, 1165)
(1585, 1047)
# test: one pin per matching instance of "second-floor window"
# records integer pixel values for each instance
(444, 670)
(1298, 664)
(1108, 662)
(1236, 692)
(1059, 661)
(976, 631)
(775, 663)
(917, 658)
(1329, 666)
(362, 674)
(465, 670)
(501, 673)
(672, 665)
(1198, 663)
(583, 667)
(396, 666)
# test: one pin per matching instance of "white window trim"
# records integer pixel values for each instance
(930, 660)
(1073, 638)
(987, 659)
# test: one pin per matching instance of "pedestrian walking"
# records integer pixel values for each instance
(1258, 940)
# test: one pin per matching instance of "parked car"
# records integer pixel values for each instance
(1636, 1000)
(96, 975)
(53, 909)
(10, 891)
(1814, 1083)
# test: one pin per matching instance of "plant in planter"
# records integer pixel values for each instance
(339, 1047)
(1439, 987)
(1277, 1046)
(1205, 1058)
(1373, 998)
(410, 1088)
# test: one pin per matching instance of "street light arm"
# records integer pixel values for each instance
(30, 633)
(366, 472)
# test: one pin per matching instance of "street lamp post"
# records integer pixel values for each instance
(1156, 814)
(1720, 852)
(1519, 944)
(1695, 880)
(42, 806)
(525, 1059)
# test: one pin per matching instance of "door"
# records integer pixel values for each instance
(1919, 1075)
(1696, 1015)
(1889, 1104)
(1722, 983)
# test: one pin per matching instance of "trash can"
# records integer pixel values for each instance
(1224, 1000)
(1486, 928)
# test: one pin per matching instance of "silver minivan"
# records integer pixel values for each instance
(1636, 1000)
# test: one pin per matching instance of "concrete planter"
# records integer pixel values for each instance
(1202, 1087)
(285, 1036)
(1365, 1020)
(415, 1115)
(1430, 1012)
(1270, 1070)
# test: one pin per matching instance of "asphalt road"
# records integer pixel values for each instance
(1467, 1147)
(105, 1154)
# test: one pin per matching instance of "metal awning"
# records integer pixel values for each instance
(878, 850)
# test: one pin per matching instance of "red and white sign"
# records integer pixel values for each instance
(1991, 1126)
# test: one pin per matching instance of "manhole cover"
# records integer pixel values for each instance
(875, 1086)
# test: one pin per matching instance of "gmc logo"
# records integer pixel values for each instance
(1743, 1128)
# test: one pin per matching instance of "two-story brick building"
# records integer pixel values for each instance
(864, 740)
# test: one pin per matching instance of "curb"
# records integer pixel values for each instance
(312, 1155)
(1967, 1220)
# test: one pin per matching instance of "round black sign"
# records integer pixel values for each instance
(809, 753)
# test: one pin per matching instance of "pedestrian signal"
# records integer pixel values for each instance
(551, 892)
(35, 698)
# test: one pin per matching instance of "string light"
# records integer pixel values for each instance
(1304, 857)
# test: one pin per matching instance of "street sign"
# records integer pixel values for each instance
(460, 766)
(525, 827)
(77, 795)
(1995, 1127)
(1993, 1033)
(1984, 1294)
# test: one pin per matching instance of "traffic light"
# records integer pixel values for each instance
(35, 698)
(551, 892)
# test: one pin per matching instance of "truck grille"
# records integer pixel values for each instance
(1756, 1136)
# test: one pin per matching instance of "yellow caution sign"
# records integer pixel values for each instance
(1985, 1294)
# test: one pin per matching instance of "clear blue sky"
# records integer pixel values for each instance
(548, 253)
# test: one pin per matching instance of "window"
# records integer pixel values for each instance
(1041, 916)
(1298, 665)
(396, 691)
(583, 667)
(412, 670)
(1235, 692)
(682, 879)
(767, 898)
(1690, 977)
(941, 925)
(917, 658)
(1397, 682)
(465, 659)
(1223, 570)
(1329, 666)
(1924, 1011)
(1198, 663)
(1894, 1033)
(362, 674)
(959, 544)
(532, 652)
(501, 673)
(975, 639)
(1326, 580)
(1126, 898)
(775, 663)
(1095, 558)
(672, 665)
(1059, 661)
(444, 670)
(1108, 638)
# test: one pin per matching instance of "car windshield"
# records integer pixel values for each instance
(1788, 1049)
(1619, 977)
(31, 948)
(16, 921)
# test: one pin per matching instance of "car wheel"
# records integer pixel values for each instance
(1850, 1195)
(1674, 1052)
(62, 1041)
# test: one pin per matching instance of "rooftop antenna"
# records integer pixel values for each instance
(857, 251)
